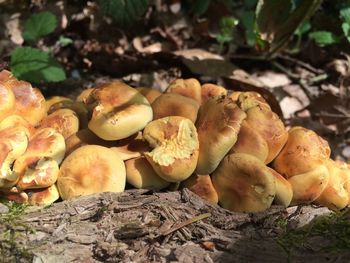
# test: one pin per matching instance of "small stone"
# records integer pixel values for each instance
(3, 209)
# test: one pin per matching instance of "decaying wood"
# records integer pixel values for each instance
(130, 227)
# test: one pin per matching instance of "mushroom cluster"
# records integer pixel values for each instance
(228, 147)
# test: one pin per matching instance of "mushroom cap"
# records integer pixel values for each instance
(131, 147)
(209, 91)
(118, 111)
(85, 137)
(84, 95)
(244, 183)
(149, 93)
(44, 196)
(175, 105)
(29, 102)
(7, 101)
(175, 147)
(54, 100)
(64, 121)
(249, 141)
(307, 187)
(249, 99)
(202, 186)
(16, 120)
(270, 127)
(335, 196)
(284, 190)
(186, 87)
(140, 174)
(218, 124)
(38, 166)
(303, 152)
(91, 169)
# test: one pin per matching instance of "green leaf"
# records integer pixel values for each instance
(323, 38)
(345, 14)
(247, 19)
(124, 12)
(346, 30)
(65, 41)
(277, 20)
(39, 25)
(303, 28)
(36, 66)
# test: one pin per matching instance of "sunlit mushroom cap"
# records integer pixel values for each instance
(303, 152)
(43, 196)
(218, 124)
(174, 144)
(91, 169)
(175, 105)
(202, 186)
(7, 97)
(118, 111)
(284, 190)
(335, 196)
(244, 183)
(209, 91)
(64, 121)
(15, 121)
(140, 174)
(307, 187)
(84, 95)
(54, 100)
(186, 87)
(149, 93)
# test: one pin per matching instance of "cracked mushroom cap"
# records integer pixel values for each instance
(149, 93)
(174, 144)
(7, 97)
(190, 88)
(170, 104)
(249, 141)
(244, 183)
(218, 124)
(303, 152)
(38, 167)
(307, 187)
(13, 144)
(140, 174)
(29, 102)
(284, 190)
(118, 111)
(336, 195)
(64, 121)
(91, 169)
(202, 186)
(209, 91)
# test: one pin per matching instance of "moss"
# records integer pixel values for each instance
(13, 230)
(329, 233)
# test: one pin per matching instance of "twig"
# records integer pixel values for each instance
(302, 64)
(185, 223)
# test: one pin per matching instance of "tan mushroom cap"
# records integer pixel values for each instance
(335, 196)
(303, 152)
(7, 100)
(131, 147)
(78, 107)
(64, 121)
(202, 186)
(249, 99)
(91, 169)
(249, 141)
(140, 174)
(30, 102)
(38, 167)
(118, 111)
(175, 147)
(307, 187)
(244, 183)
(209, 91)
(15, 121)
(175, 105)
(84, 95)
(53, 100)
(186, 87)
(284, 190)
(218, 124)
(13, 144)
(149, 93)
(43, 196)
(85, 137)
